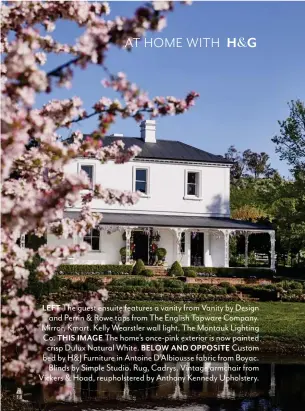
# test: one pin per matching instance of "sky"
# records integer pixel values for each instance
(244, 91)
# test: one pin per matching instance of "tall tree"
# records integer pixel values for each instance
(257, 164)
(248, 164)
(290, 143)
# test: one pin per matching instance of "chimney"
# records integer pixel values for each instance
(148, 131)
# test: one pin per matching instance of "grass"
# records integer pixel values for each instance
(282, 325)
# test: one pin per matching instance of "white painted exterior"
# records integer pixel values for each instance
(166, 187)
(166, 195)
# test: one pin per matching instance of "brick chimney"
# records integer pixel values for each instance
(148, 131)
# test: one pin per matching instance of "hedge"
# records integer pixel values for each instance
(94, 269)
(292, 272)
(240, 272)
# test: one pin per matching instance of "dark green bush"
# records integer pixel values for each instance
(161, 253)
(190, 273)
(138, 267)
(123, 252)
(169, 283)
(94, 269)
(230, 288)
(295, 285)
(176, 270)
(135, 281)
(292, 272)
(191, 288)
(38, 288)
(240, 272)
(261, 292)
(204, 288)
(147, 273)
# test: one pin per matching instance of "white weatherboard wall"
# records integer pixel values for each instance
(166, 187)
(110, 245)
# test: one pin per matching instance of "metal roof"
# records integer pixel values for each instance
(146, 220)
(168, 150)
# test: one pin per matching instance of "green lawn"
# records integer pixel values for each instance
(282, 325)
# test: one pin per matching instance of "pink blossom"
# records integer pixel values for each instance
(37, 186)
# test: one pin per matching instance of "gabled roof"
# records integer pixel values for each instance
(168, 150)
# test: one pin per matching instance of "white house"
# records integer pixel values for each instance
(184, 205)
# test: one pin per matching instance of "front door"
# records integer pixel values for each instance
(197, 249)
(140, 241)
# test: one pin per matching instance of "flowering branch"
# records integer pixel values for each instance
(37, 185)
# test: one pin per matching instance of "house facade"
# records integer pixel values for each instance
(184, 206)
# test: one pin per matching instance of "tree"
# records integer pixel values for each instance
(36, 187)
(249, 213)
(238, 165)
(291, 140)
(257, 164)
(248, 164)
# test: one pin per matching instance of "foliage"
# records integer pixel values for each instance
(96, 269)
(248, 164)
(123, 252)
(230, 288)
(290, 143)
(147, 273)
(36, 186)
(190, 273)
(248, 212)
(161, 253)
(176, 270)
(9, 402)
(239, 272)
(138, 267)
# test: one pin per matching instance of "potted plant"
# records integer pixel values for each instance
(123, 254)
(161, 254)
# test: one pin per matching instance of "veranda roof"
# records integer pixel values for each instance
(154, 220)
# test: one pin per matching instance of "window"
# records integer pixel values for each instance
(192, 184)
(192, 190)
(141, 180)
(182, 243)
(88, 169)
(93, 239)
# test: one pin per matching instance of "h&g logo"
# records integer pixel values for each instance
(241, 42)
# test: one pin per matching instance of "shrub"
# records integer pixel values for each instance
(191, 288)
(93, 269)
(135, 281)
(204, 288)
(123, 252)
(147, 273)
(171, 284)
(240, 272)
(138, 267)
(176, 270)
(191, 273)
(230, 288)
(38, 288)
(161, 253)
(291, 285)
(295, 285)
